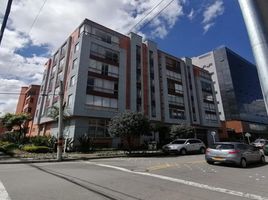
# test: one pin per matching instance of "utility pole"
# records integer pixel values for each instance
(5, 19)
(255, 13)
(60, 124)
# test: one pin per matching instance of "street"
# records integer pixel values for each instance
(173, 177)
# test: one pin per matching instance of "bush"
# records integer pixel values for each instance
(36, 149)
(12, 137)
(47, 141)
(86, 143)
(7, 147)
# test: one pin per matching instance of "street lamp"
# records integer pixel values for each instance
(213, 133)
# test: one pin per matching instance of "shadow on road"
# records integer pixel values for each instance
(74, 180)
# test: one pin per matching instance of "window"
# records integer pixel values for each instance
(105, 53)
(175, 100)
(103, 68)
(55, 59)
(101, 101)
(53, 71)
(173, 75)
(70, 100)
(178, 88)
(175, 113)
(98, 128)
(57, 90)
(105, 37)
(75, 64)
(60, 76)
(101, 85)
(211, 117)
(76, 48)
(62, 62)
(72, 80)
(63, 49)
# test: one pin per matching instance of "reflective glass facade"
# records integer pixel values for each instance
(240, 88)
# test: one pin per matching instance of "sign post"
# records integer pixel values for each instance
(248, 135)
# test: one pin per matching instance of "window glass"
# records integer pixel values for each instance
(114, 103)
(97, 101)
(75, 63)
(72, 80)
(106, 102)
(90, 100)
(70, 100)
(76, 48)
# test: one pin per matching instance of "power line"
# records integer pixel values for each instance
(5, 19)
(152, 9)
(36, 17)
(156, 14)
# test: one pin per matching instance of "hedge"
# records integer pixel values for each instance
(36, 149)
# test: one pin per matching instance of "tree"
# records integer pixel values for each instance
(16, 121)
(181, 131)
(129, 125)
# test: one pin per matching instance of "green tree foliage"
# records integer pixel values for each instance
(16, 121)
(129, 125)
(181, 131)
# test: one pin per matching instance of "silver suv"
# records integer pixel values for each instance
(183, 146)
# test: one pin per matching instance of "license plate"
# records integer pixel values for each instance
(218, 158)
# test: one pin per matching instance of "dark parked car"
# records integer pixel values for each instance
(265, 149)
(234, 152)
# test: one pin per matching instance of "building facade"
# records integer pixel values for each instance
(238, 91)
(105, 73)
(27, 104)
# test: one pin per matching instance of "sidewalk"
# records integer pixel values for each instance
(51, 157)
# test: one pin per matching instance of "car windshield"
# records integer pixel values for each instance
(178, 142)
(223, 146)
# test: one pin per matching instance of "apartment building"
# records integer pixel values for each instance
(238, 92)
(105, 73)
(27, 104)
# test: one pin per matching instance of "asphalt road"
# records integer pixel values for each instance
(178, 177)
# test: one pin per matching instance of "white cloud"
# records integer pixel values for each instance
(56, 22)
(8, 102)
(191, 15)
(208, 26)
(211, 13)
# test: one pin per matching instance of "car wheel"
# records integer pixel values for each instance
(183, 152)
(210, 162)
(243, 163)
(202, 150)
(262, 159)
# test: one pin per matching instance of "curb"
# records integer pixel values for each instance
(55, 160)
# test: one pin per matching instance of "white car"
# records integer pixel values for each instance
(184, 146)
(260, 143)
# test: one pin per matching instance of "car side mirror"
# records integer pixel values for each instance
(187, 143)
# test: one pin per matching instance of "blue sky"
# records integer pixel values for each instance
(187, 37)
(185, 28)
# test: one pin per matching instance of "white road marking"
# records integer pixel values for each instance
(185, 182)
(3, 192)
